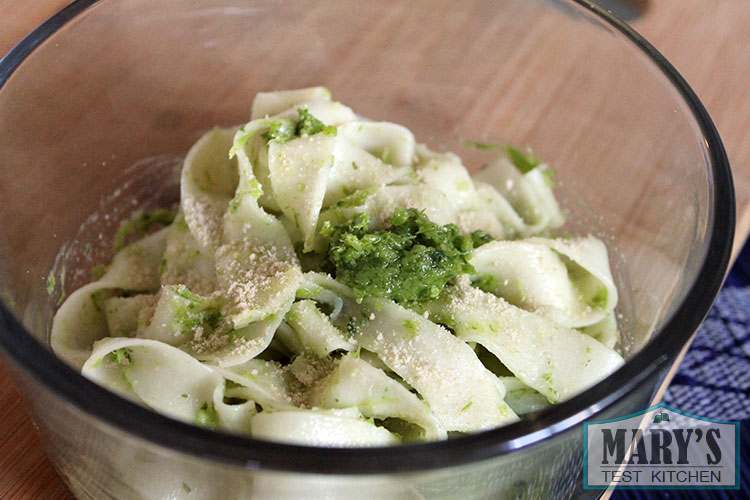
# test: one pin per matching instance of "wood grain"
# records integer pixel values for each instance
(708, 42)
(25, 473)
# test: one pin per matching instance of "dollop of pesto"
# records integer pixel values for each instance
(409, 261)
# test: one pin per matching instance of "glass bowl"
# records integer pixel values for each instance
(98, 104)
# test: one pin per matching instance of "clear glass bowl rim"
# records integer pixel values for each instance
(43, 367)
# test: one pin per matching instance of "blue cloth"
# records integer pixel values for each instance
(714, 378)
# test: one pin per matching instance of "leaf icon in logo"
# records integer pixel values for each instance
(661, 417)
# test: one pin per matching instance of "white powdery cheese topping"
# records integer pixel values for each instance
(204, 218)
(252, 276)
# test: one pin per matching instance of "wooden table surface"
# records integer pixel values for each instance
(708, 42)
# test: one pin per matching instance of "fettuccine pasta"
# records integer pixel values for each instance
(328, 281)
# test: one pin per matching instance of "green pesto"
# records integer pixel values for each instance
(385, 156)
(292, 316)
(256, 190)
(486, 283)
(485, 146)
(308, 293)
(234, 204)
(162, 265)
(308, 124)
(479, 238)
(281, 130)
(253, 188)
(523, 162)
(549, 174)
(240, 141)
(192, 311)
(411, 329)
(352, 328)
(98, 299)
(354, 325)
(63, 272)
(371, 404)
(410, 261)
(528, 162)
(51, 282)
(206, 416)
(120, 356)
(140, 223)
(555, 396)
(355, 199)
(185, 293)
(599, 299)
(326, 229)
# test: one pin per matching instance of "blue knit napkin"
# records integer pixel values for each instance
(714, 378)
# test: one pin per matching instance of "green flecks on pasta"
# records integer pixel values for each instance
(385, 155)
(523, 162)
(281, 130)
(411, 329)
(486, 146)
(599, 299)
(51, 282)
(308, 124)
(120, 356)
(206, 416)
